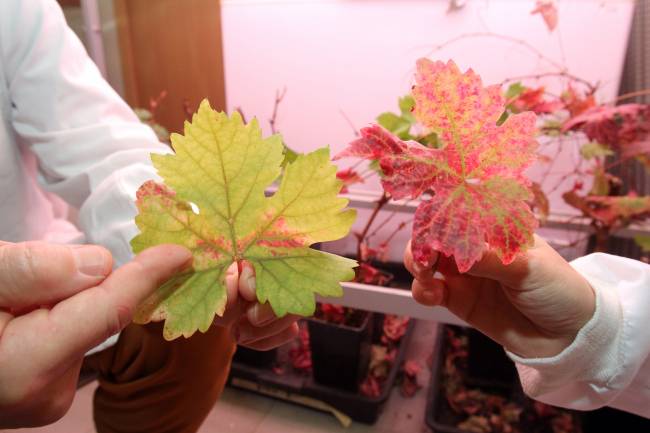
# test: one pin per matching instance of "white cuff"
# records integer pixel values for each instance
(593, 355)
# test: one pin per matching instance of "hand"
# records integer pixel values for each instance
(56, 303)
(534, 306)
(254, 325)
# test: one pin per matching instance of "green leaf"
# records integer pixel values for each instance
(289, 155)
(514, 90)
(593, 150)
(643, 241)
(376, 167)
(504, 116)
(406, 104)
(395, 124)
(430, 140)
(213, 203)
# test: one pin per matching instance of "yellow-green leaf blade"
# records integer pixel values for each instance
(214, 204)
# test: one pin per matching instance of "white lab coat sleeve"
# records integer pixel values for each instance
(91, 148)
(607, 363)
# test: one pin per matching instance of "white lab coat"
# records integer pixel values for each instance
(607, 364)
(64, 131)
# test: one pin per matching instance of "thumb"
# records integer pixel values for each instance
(93, 315)
(37, 273)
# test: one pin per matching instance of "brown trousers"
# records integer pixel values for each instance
(147, 384)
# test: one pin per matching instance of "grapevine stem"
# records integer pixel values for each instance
(362, 236)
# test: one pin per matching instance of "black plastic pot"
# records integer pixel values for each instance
(441, 418)
(487, 362)
(340, 354)
(254, 358)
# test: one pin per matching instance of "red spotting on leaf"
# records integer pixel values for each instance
(280, 243)
(477, 177)
(349, 177)
(204, 252)
(548, 11)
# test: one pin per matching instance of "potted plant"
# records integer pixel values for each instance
(340, 341)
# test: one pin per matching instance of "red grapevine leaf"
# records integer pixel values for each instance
(625, 127)
(476, 178)
(349, 177)
(576, 103)
(610, 210)
(548, 11)
(533, 100)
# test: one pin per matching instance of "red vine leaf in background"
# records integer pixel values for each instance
(608, 210)
(575, 103)
(625, 127)
(349, 177)
(540, 202)
(368, 274)
(477, 177)
(548, 11)
(333, 313)
(533, 100)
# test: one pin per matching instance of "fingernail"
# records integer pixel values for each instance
(92, 260)
(248, 277)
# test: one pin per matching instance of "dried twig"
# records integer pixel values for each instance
(279, 96)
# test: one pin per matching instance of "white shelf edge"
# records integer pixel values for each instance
(390, 301)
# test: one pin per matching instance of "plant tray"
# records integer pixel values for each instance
(440, 417)
(300, 388)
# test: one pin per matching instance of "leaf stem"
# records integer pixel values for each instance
(362, 236)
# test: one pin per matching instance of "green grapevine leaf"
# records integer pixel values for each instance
(213, 202)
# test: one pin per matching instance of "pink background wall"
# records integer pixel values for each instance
(357, 56)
